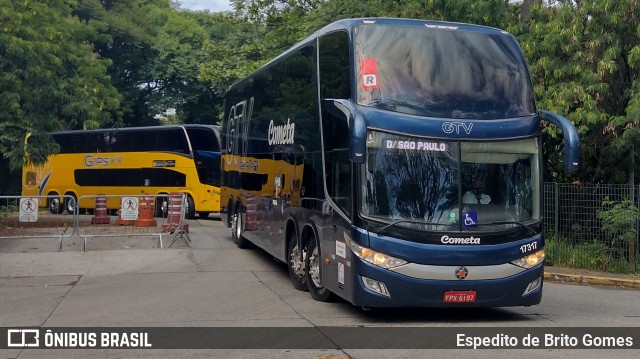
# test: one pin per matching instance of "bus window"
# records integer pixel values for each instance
(337, 163)
(441, 73)
(334, 66)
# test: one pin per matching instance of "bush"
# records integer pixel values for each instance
(593, 255)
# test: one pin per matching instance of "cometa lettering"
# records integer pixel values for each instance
(459, 240)
(281, 134)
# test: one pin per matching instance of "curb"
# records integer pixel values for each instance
(592, 280)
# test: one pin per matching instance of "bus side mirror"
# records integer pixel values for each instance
(357, 126)
(571, 139)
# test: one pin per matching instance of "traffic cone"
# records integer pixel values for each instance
(145, 214)
(100, 214)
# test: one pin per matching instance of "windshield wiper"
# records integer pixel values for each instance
(529, 229)
(383, 228)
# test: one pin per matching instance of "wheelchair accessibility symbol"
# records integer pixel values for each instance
(470, 219)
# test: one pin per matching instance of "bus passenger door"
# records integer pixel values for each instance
(338, 184)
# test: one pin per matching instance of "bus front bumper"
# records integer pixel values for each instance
(520, 289)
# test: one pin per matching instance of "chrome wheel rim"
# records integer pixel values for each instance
(54, 204)
(71, 205)
(314, 268)
(296, 261)
(236, 225)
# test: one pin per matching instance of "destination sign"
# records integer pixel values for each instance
(417, 145)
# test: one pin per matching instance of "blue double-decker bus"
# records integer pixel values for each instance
(393, 162)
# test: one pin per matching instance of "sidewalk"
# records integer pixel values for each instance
(587, 277)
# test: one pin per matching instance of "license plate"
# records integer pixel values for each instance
(456, 296)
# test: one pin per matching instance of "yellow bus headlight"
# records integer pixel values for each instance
(376, 258)
(530, 260)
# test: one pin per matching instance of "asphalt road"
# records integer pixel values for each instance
(129, 282)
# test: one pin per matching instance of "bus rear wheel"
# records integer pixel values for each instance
(54, 204)
(162, 205)
(237, 227)
(190, 210)
(70, 202)
(296, 263)
(229, 212)
(312, 268)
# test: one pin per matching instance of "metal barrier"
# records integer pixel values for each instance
(175, 218)
(125, 215)
(37, 217)
(93, 216)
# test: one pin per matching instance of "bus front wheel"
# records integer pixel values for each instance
(312, 268)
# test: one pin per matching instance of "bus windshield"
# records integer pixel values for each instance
(441, 71)
(429, 184)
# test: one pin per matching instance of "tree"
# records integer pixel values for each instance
(50, 77)
(584, 58)
(236, 49)
(180, 45)
(127, 32)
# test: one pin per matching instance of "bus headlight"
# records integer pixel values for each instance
(376, 258)
(530, 260)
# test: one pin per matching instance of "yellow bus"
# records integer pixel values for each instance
(153, 160)
(254, 186)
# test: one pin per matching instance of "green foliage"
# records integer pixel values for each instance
(618, 219)
(9, 209)
(594, 255)
(583, 57)
(180, 44)
(50, 76)
(124, 33)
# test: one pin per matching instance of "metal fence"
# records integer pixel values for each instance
(94, 217)
(592, 226)
(22, 217)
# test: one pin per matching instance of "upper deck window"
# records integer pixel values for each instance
(445, 73)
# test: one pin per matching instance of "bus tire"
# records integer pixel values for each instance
(312, 269)
(295, 262)
(162, 205)
(190, 210)
(203, 215)
(70, 203)
(237, 227)
(54, 204)
(229, 211)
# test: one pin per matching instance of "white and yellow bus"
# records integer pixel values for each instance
(151, 160)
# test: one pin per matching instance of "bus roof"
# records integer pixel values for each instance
(349, 24)
(140, 128)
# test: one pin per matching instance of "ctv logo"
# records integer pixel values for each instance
(457, 127)
(23, 338)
